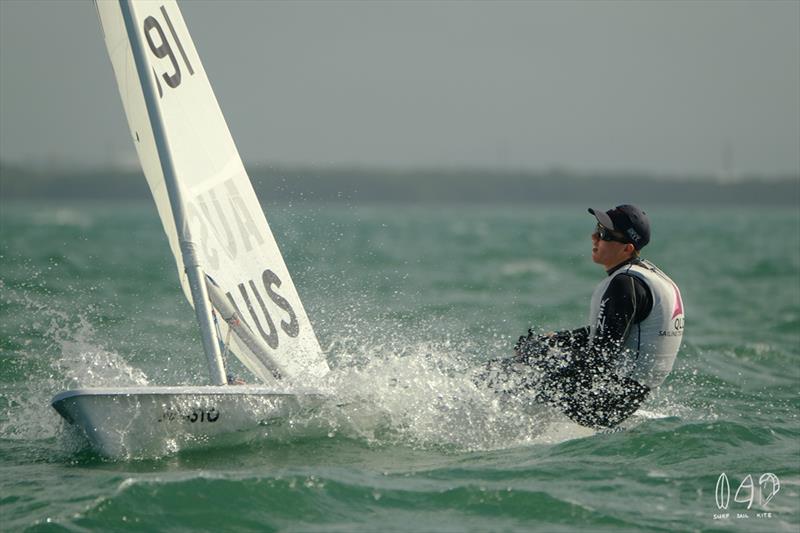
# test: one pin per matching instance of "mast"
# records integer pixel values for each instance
(191, 261)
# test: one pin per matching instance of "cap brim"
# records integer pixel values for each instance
(602, 217)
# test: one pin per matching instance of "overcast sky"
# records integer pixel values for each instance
(664, 87)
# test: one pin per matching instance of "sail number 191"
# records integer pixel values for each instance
(154, 33)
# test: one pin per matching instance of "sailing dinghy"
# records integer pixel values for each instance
(229, 265)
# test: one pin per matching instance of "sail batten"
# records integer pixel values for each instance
(213, 220)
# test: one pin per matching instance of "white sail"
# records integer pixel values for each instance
(224, 224)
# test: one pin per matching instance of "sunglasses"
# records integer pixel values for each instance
(606, 234)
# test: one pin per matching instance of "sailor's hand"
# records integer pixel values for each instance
(518, 345)
(551, 338)
(235, 380)
(523, 339)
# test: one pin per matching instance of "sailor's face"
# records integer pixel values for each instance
(608, 253)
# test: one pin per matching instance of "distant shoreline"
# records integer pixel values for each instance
(468, 186)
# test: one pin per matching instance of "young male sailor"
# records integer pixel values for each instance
(598, 375)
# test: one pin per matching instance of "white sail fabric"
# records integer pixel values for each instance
(224, 220)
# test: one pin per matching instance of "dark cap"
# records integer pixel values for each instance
(628, 220)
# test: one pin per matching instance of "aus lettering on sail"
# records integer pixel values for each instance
(239, 252)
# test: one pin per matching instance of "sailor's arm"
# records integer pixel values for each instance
(575, 339)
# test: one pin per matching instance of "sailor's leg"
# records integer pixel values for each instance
(604, 403)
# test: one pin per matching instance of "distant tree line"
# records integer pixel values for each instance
(275, 184)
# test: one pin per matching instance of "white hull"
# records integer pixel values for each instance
(153, 421)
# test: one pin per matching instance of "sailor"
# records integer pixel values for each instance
(598, 375)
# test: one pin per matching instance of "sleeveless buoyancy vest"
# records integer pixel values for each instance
(650, 347)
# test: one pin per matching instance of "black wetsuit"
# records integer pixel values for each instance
(577, 375)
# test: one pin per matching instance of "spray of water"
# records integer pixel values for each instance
(55, 350)
(425, 394)
(409, 385)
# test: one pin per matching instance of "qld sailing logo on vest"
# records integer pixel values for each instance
(766, 489)
(677, 317)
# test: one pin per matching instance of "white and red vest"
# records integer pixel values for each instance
(650, 347)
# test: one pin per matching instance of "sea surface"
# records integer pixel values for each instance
(405, 300)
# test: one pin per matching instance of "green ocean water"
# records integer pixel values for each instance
(405, 299)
